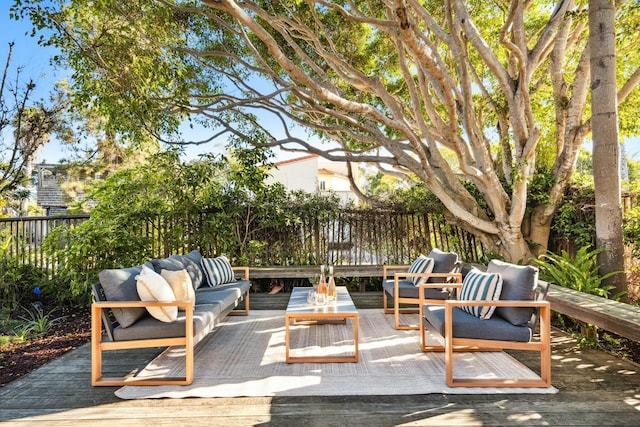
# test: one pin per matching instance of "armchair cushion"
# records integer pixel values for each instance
(479, 286)
(406, 289)
(444, 262)
(218, 271)
(518, 283)
(422, 265)
(119, 284)
(469, 326)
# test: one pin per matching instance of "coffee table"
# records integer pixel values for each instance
(299, 311)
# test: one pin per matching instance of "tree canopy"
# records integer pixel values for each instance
(401, 84)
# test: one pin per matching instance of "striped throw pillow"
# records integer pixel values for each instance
(422, 264)
(217, 270)
(479, 286)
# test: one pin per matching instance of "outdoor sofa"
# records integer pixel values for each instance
(183, 317)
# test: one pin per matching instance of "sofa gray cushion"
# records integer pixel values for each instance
(205, 318)
(192, 262)
(518, 283)
(120, 285)
(242, 285)
(189, 262)
(469, 326)
(227, 294)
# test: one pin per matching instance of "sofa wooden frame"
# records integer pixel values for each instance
(98, 344)
(454, 279)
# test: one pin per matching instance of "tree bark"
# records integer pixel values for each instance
(606, 148)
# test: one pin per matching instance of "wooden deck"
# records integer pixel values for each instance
(595, 389)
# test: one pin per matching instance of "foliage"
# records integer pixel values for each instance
(37, 322)
(575, 220)
(579, 273)
(632, 230)
(633, 171)
(17, 280)
(128, 201)
(242, 212)
(12, 330)
(475, 91)
(32, 323)
(25, 126)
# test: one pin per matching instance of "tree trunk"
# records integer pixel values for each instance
(539, 230)
(606, 148)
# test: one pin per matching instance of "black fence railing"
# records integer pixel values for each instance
(21, 238)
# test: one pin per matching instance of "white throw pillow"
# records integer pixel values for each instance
(181, 284)
(152, 287)
(479, 286)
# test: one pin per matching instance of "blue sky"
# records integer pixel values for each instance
(35, 64)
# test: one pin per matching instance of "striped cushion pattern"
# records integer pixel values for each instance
(218, 270)
(422, 264)
(479, 286)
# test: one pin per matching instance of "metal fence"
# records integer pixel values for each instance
(22, 238)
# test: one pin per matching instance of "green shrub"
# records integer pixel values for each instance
(632, 230)
(37, 322)
(579, 273)
(19, 284)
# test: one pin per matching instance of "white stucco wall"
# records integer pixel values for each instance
(297, 174)
(306, 173)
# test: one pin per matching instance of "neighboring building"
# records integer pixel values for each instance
(49, 180)
(49, 195)
(313, 174)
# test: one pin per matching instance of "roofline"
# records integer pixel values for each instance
(297, 159)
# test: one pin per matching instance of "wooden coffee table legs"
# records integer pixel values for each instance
(319, 319)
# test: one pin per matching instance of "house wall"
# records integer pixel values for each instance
(297, 174)
(313, 174)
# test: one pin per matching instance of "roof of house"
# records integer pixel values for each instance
(297, 159)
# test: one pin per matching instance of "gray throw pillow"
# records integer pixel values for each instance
(120, 285)
(518, 283)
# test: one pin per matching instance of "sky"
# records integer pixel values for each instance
(35, 64)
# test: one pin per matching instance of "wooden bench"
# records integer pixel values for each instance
(307, 271)
(613, 316)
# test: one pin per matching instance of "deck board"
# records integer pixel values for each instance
(595, 388)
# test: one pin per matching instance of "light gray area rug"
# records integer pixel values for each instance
(245, 356)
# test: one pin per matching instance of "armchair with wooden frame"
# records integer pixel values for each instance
(519, 312)
(401, 289)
